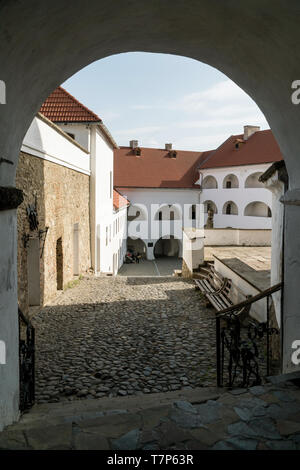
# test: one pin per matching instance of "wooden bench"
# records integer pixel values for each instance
(216, 288)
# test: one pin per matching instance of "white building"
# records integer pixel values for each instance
(170, 190)
(108, 210)
(160, 184)
(229, 180)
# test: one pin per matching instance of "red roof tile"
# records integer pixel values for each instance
(261, 147)
(119, 201)
(60, 106)
(155, 169)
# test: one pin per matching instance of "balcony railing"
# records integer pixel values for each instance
(26, 362)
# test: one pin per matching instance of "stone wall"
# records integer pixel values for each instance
(61, 196)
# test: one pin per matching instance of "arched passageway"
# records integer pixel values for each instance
(167, 247)
(137, 246)
(259, 53)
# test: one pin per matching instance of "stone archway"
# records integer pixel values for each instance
(260, 54)
(167, 247)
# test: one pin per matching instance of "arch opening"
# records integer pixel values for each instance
(209, 182)
(230, 208)
(230, 181)
(136, 212)
(257, 209)
(137, 246)
(210, 205)
(167, 247)
(252, 181)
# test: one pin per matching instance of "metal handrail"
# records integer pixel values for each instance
(251, 300)
(236, 349)
(26, 363)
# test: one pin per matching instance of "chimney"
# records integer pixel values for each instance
(249, 131)
(133, 144)
(168, 146)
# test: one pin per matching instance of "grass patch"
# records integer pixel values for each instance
(72, 284)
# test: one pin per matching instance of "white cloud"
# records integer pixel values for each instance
(212, 114)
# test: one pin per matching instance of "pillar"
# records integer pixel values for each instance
(291, 293)
(10, 198)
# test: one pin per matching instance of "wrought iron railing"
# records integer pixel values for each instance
(26, 362)
(243, 344)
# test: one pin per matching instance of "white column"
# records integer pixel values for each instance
(291, 294)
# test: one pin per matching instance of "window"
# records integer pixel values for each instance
(160, 215)
(228, 209)
(172, 215)
(269, 212)
(194, 211)
(228, 184)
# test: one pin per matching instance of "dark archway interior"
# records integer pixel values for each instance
(167, 247)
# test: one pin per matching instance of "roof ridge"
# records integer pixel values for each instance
(80, 104)
(214, 151)
(200, 152)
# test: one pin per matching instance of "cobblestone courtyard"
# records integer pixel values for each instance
(124, 336)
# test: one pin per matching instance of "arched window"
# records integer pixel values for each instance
(209, 182)
(210, 205)
(253, 182)
(230, 181)
(230, 208)
(257, 209)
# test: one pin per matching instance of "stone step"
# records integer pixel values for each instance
(291, 377)
(52, 414)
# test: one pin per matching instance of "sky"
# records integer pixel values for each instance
(161, 98)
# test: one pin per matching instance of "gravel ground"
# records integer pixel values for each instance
(124, 336)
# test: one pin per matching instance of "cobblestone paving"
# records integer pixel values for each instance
(124, 336)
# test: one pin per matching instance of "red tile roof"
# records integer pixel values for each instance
(261, 147)
(155, 169)
(119, 201)
(60, 106)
